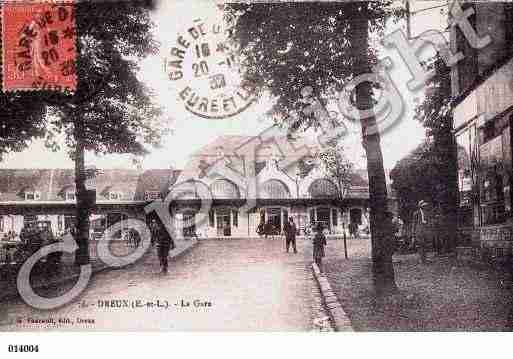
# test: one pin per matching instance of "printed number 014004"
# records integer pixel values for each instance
(23, 348)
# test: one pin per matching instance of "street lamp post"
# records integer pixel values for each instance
(297, 178)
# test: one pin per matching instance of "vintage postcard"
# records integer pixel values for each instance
(185, 166)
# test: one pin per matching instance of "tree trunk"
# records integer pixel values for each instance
(382, 268)
(452, 192)
(82, 213)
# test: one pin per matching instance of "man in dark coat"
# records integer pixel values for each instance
(161, 237)
(353, 230)
(423, 229)
(268, 229)
(290, 234)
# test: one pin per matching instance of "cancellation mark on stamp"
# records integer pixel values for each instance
(38, 46)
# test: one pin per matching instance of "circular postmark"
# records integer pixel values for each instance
(204, 68)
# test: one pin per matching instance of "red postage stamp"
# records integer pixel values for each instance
(39, 51)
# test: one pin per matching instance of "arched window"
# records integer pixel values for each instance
(274, 189)
(323, 188)
(186, 190)
(223, 188)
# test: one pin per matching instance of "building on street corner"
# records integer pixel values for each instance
(482, 89)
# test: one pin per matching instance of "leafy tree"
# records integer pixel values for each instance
(416, 177)
(337, 167)
(21, 119)
(289, 46)
(430, 171)
(111, 111)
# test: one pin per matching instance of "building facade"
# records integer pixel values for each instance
(483, 117)
(301, 192)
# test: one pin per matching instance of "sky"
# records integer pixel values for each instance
(190, 133)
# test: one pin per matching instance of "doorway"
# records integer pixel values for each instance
(189, 224)
(224, 225)
(324, 216)
(355, 216)
(276, 216)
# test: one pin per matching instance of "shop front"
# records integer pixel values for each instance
(483, 123)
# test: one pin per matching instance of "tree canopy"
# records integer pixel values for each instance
(21, 120)
(337, 167)
(111, 110)
(429, 172)
(288, 46)
(417, 177)
(114, 107)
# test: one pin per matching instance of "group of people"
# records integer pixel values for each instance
(266, 229)
(34, 235)
(9, 236)
(133, 238)
(318, 240)
(165, 243)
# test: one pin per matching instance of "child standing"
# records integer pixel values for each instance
(319, 241)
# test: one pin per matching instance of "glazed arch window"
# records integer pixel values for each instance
(323, 188)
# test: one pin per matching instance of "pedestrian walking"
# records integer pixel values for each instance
(260, 229)
(438, 233)
(398, 226)
(319, 242)
(290, 234)
(422, 229)
(353, 230)
(164, 242)
(268, 229)
(137, 238)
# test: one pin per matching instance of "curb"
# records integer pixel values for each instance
(331, 302)
(99, 268)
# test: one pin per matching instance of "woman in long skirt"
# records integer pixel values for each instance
(319, 241)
